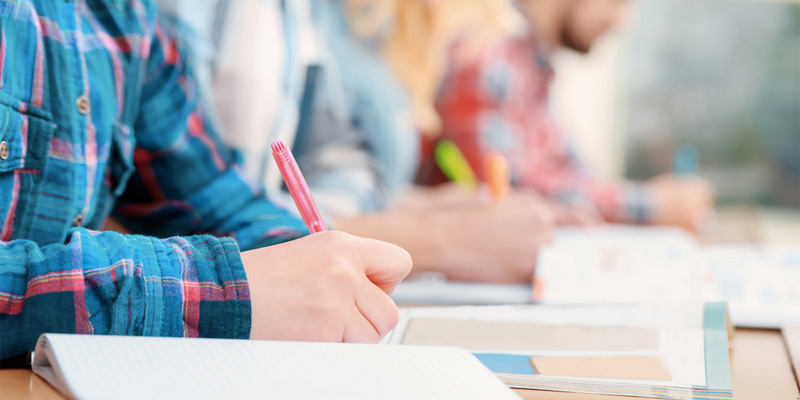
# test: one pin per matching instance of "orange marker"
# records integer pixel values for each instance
(498, 176)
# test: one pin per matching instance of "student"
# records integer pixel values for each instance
(99, 114)
(351, 130)
(497, 100)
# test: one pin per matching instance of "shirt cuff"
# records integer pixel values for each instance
(197, 288)
(229, 314)
(637, 204)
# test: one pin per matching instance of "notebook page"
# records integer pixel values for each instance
(590, 273)
(672, 332)
(760, 284)
(625, 235)
(681, 315)
(443, 292)
(106, 367)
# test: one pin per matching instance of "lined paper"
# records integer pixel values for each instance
(106, 367)
(500, 335)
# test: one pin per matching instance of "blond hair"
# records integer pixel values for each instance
(420, 33)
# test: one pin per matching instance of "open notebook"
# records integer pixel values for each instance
(632, 264)
(677, 351)
(117, 367)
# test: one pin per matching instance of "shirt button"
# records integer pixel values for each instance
(4, 150)
(77, 221)
(83, 104)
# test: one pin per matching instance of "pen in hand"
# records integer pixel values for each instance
(298, 187)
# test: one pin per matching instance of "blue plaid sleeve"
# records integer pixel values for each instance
(112, 284)
(130, 118)
(185, 180)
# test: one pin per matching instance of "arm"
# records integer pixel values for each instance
(328, 286)
(106, 283)
(500, 103)
(186, 181)
(110, 284)
(621, 202)
(332, 153)
(467, 239)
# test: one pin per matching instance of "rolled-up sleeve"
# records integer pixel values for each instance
(112, 284)
(186, 181)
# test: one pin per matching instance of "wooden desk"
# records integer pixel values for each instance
(760, 367)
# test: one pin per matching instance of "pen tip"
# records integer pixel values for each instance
(278, 145)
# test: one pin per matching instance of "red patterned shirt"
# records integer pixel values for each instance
(499, 102)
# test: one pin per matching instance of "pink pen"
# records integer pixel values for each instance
(298, 187)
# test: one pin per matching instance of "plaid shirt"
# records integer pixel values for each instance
(98, 114)
(499, 102)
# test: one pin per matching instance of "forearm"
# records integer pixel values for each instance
(623, 202)
(112, 284)
(225, 206)
(490, 242)
(423, 198)
(419, 233)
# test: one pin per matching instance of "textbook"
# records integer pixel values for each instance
(761, 284)
(666, 351)
(90, 367)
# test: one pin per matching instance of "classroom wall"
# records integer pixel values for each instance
(721, 75)
(586, 103)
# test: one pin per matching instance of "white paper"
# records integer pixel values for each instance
(626, 264)
(680, 339)
(113, 367)
(442, 292)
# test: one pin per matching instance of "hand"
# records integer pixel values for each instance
(494, 242)
(682, 201)
(575, 215)
(327, 287)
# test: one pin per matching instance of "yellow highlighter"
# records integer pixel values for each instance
(498, 176)
(454, 165)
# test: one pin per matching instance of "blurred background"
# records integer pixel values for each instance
(722, 75)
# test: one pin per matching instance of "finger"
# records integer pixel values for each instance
(359, 330)
(384, 264)
(377, 308)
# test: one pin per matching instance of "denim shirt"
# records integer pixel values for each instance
(342, 111)
(378, 102)
(99, 114)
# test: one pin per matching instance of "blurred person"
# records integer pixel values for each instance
(496, 99)
(295, 71)
(100, 115)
